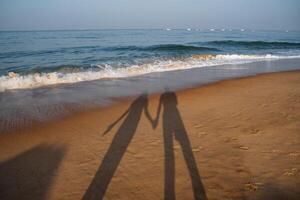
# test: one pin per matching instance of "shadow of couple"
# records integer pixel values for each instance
(173, 127)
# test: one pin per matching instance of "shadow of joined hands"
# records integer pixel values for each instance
(173, 127)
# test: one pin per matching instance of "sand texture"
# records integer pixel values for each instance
(236, 139)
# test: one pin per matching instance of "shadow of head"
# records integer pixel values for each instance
(29, 175)
(169, 98)
(142, 100)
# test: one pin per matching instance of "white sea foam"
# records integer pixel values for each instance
(15, 81)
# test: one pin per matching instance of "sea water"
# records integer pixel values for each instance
(45, 74)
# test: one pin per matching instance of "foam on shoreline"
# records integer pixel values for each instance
(16, 81)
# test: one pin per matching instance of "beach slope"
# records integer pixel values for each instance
(235, 139)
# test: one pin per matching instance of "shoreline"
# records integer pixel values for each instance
(232, 138)
(28, 107)
(125, 99)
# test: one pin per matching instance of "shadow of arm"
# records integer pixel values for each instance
(154, 121)
(113, 124)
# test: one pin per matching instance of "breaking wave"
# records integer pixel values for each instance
(16, 81)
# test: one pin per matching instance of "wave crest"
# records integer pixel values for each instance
(16, 81)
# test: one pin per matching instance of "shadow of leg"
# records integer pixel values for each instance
(181, 136)
(169, 164)
(173, 124)
(116, 151)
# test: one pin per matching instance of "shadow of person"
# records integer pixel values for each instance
(29, 175)
(173, 127)
(117, 149)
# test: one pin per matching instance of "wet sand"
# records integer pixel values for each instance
(236, 139)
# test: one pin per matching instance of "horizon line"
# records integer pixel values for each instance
(103, 29)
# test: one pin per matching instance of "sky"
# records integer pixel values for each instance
(136, 14)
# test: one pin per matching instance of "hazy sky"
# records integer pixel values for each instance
(105, 14)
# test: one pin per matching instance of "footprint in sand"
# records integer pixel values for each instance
(201, 134)
(293, 154)
(198, 126)
(244, 148)
(291, 172)
(252, 186)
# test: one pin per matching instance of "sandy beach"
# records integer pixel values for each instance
(235, 139)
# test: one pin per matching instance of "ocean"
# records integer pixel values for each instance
(46, 74)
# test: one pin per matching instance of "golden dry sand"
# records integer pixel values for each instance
(236, 139)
